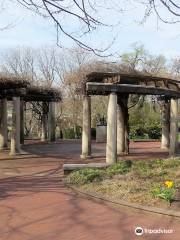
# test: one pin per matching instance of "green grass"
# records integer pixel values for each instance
(119, 168)
(88, 175)
(159, 169)
(85, 175)
(134, 181)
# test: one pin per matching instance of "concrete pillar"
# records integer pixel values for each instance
(22, 122)
(126, 117)
(111, 145)
(122, 125)
(44, 130)
(3, 124)
(165, 125)
(173, 127)
(52, 124)
(120, 129)
(15, 129)
(86, 131)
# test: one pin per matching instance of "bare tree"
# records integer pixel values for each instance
(175, 68)
(48, 65)
(139, 59)
(83, 13)
(20, 62)
(40, 68)
(168, 11)
(8, 25)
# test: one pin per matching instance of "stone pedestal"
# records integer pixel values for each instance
(101, 134)
(86, 131)
(111, 145)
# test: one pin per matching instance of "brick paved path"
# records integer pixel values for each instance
(35, 205)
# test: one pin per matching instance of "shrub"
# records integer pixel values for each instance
(93, 133)
(78, 133)
(85, 175)
(137, 131)
(165, 192)
(154, 133)
(71, 133)
(68, 133)
(121, 167)
(154, 130)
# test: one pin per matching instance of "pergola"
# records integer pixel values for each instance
(118, 86)
(19, 91)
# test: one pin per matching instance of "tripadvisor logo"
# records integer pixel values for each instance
(139, 231)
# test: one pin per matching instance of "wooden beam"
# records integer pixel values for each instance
(35, 98)
(93, 88)
(16, 92)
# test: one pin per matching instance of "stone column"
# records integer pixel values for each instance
(15, 131)
(173, 127)
(122, 125)
(22, 122)
(111, 145)
(86, 131)
(120, 128)
(44, 129)
(126, 120)
(52, 124)
(3, 124)
(165, 125)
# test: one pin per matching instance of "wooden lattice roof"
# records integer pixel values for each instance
(39, 93)
(99, 83)
(10, 82)
(11, 86)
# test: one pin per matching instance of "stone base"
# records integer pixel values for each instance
(68, 168)
(83, 156)
(165, 148)
(3, 149)
(122, 154)
(15, 153)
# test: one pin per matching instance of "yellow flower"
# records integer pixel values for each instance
(169, 184)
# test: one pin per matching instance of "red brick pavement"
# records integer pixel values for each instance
(35, 205)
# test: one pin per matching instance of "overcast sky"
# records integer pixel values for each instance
(34, 31)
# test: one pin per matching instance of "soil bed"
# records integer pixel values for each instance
(134, 181)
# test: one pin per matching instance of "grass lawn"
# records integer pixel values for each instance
(141, 182)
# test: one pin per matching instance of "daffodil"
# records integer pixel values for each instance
(169, 184)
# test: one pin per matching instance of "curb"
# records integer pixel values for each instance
(155, 210)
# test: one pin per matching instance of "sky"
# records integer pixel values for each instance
(31, 30)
